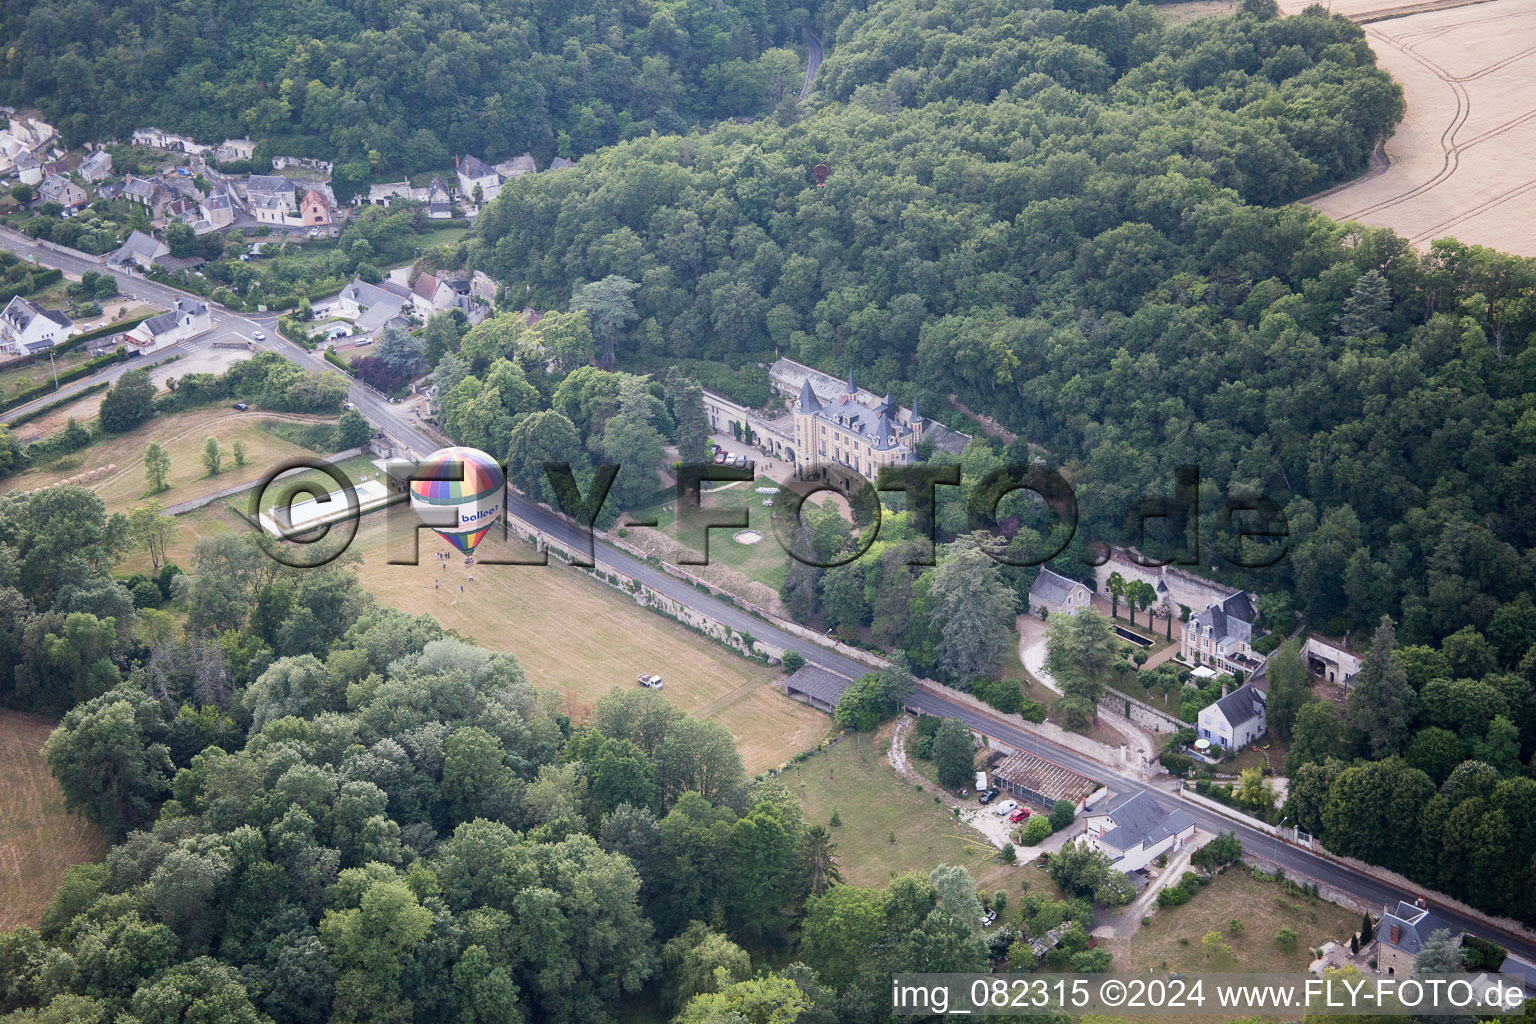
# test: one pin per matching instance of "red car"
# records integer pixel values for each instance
(1019, 815)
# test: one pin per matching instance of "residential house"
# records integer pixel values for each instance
(141, 249)
(273, 193)
(370, 307)
(1133, 828)
(439, 201)
(234, 149)
(148, 193)
(1403, 931)
(383, 195)
(26, 327)
(186, 319)
(1236, 720)
(314, 211)
(268, 209)
(1223, 634)
(217, 210)
(29, 169)
(517, 167)
(1523, 969)
(58, 189)
(1054, 594)
(559, 163)
(429, 295)
(25, 134)
(474, 173)
(96, 167)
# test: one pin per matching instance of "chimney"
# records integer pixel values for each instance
(1421, 904)
(1395, 934)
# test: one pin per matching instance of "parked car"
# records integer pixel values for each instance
(1006, 808)
(241, 407)
(720, 456)
(741, 462)
(348, 406)
(988, 796)
(649, 681)
(1019, 815)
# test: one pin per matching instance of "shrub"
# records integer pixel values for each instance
(837, 819)
(1008, 855)
(1285, 940)
(793, 661)
(1062, 814)
(146, 594)
(1035, 830)
(1172, 896)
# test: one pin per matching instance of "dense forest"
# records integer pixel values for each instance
(385, 88)
(1076, 233)
(327, 810)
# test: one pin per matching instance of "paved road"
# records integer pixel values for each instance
(813, 55)
(398, 423)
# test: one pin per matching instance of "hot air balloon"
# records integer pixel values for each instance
(458, 493)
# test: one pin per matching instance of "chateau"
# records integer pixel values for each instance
(831, 421)
(865, 438)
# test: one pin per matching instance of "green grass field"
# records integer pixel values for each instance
(763, 561)
(855, 778)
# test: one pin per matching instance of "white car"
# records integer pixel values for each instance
(1005, 808)
(258, 336)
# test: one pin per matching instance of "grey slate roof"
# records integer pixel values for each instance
(1141, 821)
(559, 162)
(872, 424)
(167, 321)
(1241, 704)
(268, 183)
(1521, 968)
(818, 684)
(809, 403)
(473, 167)
(1052, 587)
(1415, 926)
(140, 244)
(20, 312)
(1233, 617)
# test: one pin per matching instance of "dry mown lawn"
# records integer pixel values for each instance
(572, 632)
(1262, 907)
(854, 778)
(38, 837)
(183, 436)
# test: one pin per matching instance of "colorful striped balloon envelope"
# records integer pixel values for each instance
(458, 493)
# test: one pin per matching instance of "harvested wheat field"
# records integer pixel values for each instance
(572, 633)
(38, 837)
(1461, 163)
